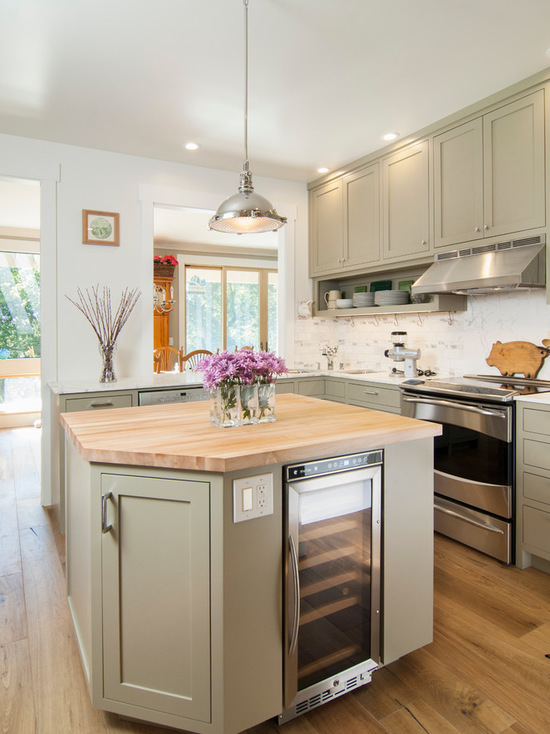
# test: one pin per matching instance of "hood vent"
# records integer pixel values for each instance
(487, 268)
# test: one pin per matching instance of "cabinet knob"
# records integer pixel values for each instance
(486, 227)
(423, 242)
(476, 229)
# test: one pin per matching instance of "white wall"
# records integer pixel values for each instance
(99, 180)
(74, 179)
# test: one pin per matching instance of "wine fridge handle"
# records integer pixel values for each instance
(296, 580)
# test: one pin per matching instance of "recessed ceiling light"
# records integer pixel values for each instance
(322, 170)
(390, 136)
(192, 146)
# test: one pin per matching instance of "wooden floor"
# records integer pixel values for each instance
(486, 670)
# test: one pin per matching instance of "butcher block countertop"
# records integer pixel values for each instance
(180, 436)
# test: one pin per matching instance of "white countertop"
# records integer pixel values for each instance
(543, 398)
(194, 379)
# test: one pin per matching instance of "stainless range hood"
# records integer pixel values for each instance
(487, 268)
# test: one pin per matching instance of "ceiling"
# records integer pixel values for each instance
(327, 79)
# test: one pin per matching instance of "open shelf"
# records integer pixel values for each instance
(440, 302)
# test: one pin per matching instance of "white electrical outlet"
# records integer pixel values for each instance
(252, 497)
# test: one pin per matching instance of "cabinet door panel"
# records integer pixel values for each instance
(326, 228)
(458, 184)
(157, 654)
(514, 166)
(406, 203)
(362, 217)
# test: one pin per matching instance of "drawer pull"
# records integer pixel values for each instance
(105, 528)
(370, 392)
(106, 404)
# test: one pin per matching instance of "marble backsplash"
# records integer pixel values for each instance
(451, 344)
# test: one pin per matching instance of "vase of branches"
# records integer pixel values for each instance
(95, 305)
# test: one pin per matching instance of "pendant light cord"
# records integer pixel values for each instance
(245, 2)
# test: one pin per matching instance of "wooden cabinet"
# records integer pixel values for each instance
(489, 174)
(155, 572)
(161, 316)
(345, 222)
(532, 482)
(406, 203)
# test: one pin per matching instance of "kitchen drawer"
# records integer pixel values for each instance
(536, 453)
(312, 387)
(536, 530)
(285, 386)
(383, 398)
(98, 402)
(536, 487)
(536, 421)
(335, 390)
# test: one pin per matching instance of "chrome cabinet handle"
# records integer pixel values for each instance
(370, 392)
(106, 404)
(458, 516)
(457, 405)
(104, 499)
(296, 580)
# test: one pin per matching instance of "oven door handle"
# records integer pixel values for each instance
(469, 520)
(457, 404)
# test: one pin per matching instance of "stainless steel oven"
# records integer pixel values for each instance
(474, 473)
(332, 578)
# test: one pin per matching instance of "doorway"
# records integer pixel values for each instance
(20, 313)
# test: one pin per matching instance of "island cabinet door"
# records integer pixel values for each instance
(156, 594)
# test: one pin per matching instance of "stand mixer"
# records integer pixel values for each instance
(400, 353)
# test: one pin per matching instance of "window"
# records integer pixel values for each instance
(229, 307)
(19, 332)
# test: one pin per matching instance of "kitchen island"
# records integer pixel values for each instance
(177, 604)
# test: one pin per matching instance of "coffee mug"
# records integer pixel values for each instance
(331, 297)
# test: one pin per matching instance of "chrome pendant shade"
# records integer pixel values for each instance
(246, 212)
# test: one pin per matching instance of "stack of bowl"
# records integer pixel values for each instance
(361, 300)
(391, 298)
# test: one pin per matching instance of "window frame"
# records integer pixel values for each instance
(263, 284)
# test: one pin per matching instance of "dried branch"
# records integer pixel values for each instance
(96, 307)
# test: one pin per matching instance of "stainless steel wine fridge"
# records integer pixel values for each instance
(332, 578)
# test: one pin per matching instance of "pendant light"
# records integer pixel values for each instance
(246, 211)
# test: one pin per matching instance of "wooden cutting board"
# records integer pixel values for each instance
(513, 358)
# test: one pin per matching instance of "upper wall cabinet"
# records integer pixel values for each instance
(345, 222)
(489, 174)
(326, 228)
(406, 203)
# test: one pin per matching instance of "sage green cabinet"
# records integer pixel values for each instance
(157, 654)
(532, 482)
(374, 395)
(406, 203)
(326, 228)
(345, 222)
(361, 201)
(489, 174)
(458, 184)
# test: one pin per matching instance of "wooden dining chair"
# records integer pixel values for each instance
(190, 361)
(165, 359)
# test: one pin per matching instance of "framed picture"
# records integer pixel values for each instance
(100, 228)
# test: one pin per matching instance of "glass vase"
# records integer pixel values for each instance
(107, 370)
(249, 404)
(225, 406)
(266, 402)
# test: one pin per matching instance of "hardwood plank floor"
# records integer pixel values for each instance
(485, 672)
